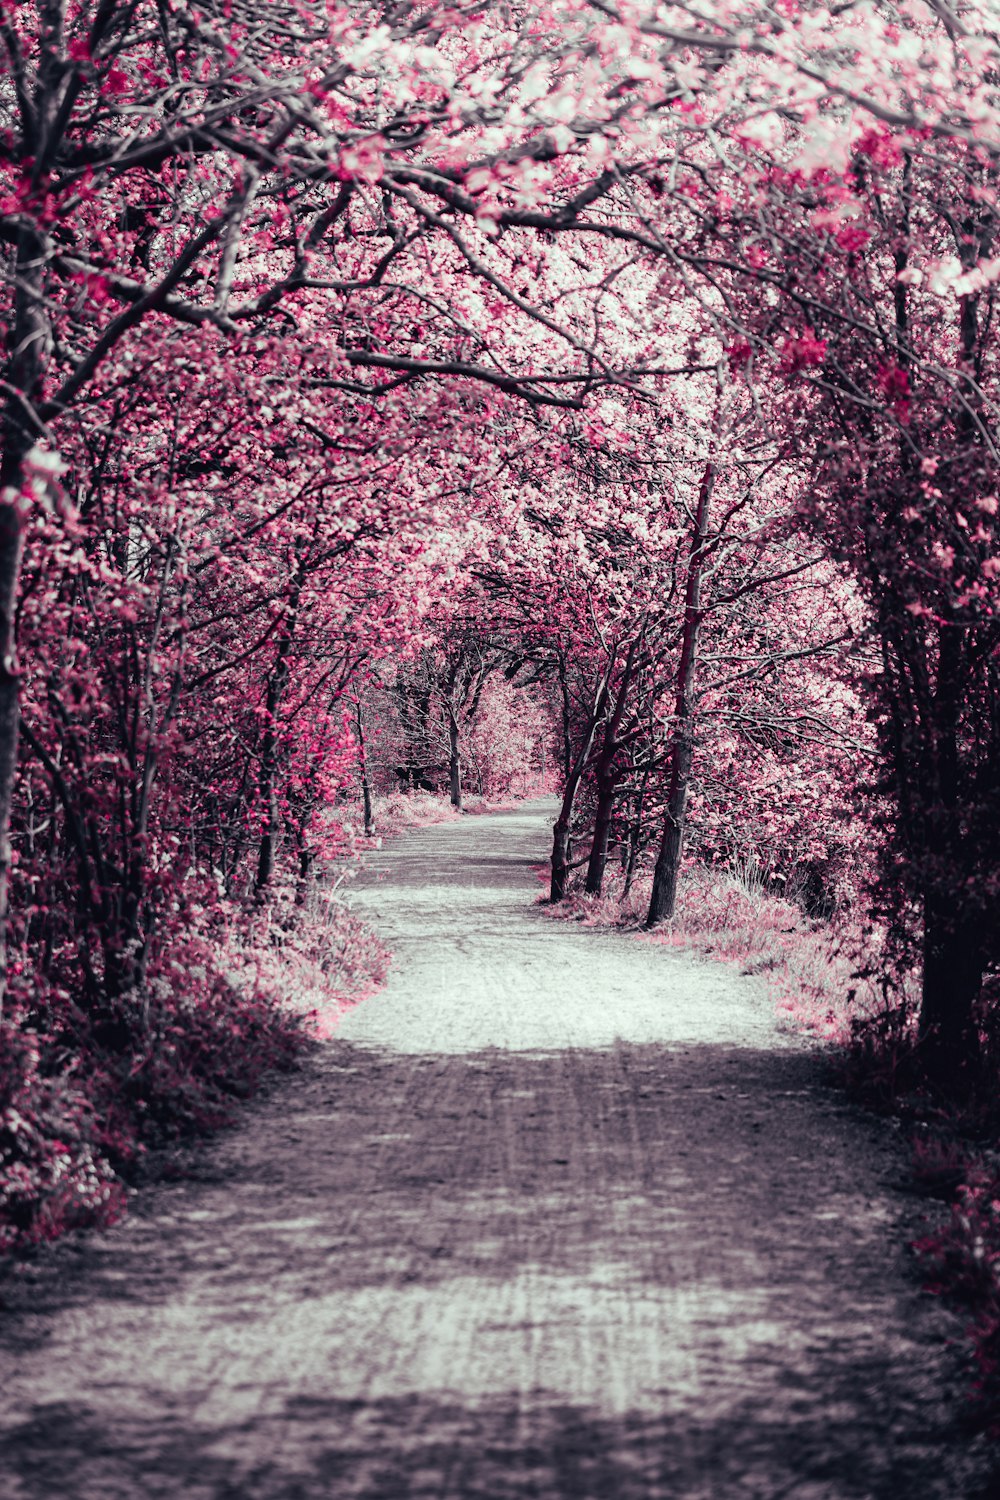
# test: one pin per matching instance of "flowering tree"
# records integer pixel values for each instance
(577, 217)
(898, 382)
(237, 167)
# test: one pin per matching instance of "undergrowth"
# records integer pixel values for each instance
(93, 1099)
(82, 1103)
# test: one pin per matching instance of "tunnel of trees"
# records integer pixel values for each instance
(594, 397)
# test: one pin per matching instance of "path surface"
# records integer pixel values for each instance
(558, 1214)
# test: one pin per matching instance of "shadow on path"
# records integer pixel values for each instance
(498, 1275)
(636, 1269)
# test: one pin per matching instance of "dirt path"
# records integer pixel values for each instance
(558, 1214)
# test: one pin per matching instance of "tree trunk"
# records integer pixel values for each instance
(954, 958)
(133, 946)
(269, 836)
(561, 847)
(607, 780)
(267, 778)
(562, 853)
(635, 836)
(597, 863)
(454, 761)
(27, 346)
(11, 548)
(366, 785)
(366, 797)
(663, 898)
(565, 718)
(305, 862)
(953, 968)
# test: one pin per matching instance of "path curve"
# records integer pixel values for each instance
(557, 1214)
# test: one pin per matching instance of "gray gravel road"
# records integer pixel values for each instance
(557, 1214)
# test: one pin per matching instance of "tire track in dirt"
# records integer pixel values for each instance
(558, 1214)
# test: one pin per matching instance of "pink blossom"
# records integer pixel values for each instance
(802, 353)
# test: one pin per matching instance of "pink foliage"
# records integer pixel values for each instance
(391, 404)
(805, 352)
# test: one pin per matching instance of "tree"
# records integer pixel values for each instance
(216, 169)
(517, 214)
(902, 492)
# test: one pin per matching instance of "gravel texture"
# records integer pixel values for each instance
(557, 1214)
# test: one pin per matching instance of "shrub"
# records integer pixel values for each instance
(54, 1175)
(961, 1260)
(79, 1113)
